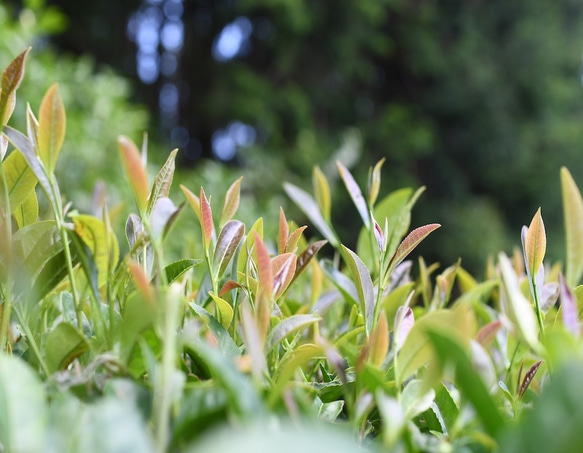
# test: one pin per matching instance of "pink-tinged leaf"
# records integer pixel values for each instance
(411, 241)
(308, 205)
(288, 326)
(528, 377)
(569, 308)
(231, 203)
(322, 192)
(487, 333)
(355, 193)
(364, 286)
(404, 321)
(378, 342)
(573, 218)
(264, 270)
(142, 282)
(134, 170)
(228, 286)
(294, 238)
(163, 181)
(11, 78)
(283, 268)
(227, 243)
(283, 232)
(206, 214)
(52, 124)
(374, 182)
(379, 236)
(306, 256)
(193, 200)
(535, 244)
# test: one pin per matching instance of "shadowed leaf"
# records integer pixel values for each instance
(306, 256)
(528, 377)
(176, 269)
(569, 309)
(64, 344)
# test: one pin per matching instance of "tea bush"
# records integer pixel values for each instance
(255, 342)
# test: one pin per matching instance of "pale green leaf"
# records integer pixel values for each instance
(162, 182)
(355, 193)
(573, 218)
(64, 344)
(364, 286)
(288, 326)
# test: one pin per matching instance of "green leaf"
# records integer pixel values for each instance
(51, 128)
(11, 78)
(410, 242)
(243, 397)
(64, 344)
(535, 244)
(288, 326)
(23, 410)
(227, 243)
(374, 182)
(364, 286)
(416, 398)
(449, 351)
(224, 310)
(178, 268)
(53, 272)
(224, 339)
(20, 180)
(573, 218)
(162, 182)
(27, 213)
(308, 205)
(321, 192)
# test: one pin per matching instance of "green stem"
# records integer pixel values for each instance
(31, 341)
(7, 308)
(538, 310)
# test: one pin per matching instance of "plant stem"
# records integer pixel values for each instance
(31, 341)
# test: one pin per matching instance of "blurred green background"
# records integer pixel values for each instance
(480, 101)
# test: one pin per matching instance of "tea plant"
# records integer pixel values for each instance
(255, 344)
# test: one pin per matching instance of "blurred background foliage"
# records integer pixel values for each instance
(480, 101)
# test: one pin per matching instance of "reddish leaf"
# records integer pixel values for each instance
(228, 286)
(378, 342)
(487, 333)
(264, 267)
(411, 241)
(206, 219)
(193, 200)
(306, 256)
(528, 377)
(142, 282)
(134, 170)
(227, 243)
(51, 128)
(283, 268)
(11, 78)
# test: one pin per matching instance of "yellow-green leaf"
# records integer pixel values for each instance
(163, 181)
(321, 192)
(224, 310)
(231, 203)
(573, 218)
(27, 213)
(51, 128)
(374, 182)
(535, 244)
(20, 179)
(11, 78)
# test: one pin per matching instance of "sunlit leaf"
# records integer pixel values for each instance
(411, 241)
(134, 170)
(51, 128)
(283, 269)
(27, 213)
(355, 193)
(231, 203)
(193, 200)
(20, 179)
(288, 326)
(163, 212)
(11, 78)
(283, 232)
(178, 268)
(64, 344)
(264, 268)
(224, 310)
(206, 221)
(573, 218)
(416, 398)
(404, 321)
(374, 182)
(162, 182)
(308, 205)
(364, 286)
(535, 244)
(322, 192)
(295, 237)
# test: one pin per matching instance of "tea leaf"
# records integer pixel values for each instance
(321, 192)
(51, 128)
(404, 321)
(569, 310)
(488, 332)
(231, 203)
(535, 243)
(178, 268)
(23, 408)
(286, 327)
(20, 179)
(306, 256)
(378, 342)
(11, 78)
(52, 273)
(64, 344)
(31, 127)
(3, 147)
(295, 237)
(27, 213)
(364, 286)
(162, 182)
(374, 182)
(193, 200)
(528, 377)
(283, 269)
(227, 243)
(206, 221)
(450, 351)
(264, 269)
(355, 193)
(416, 398)
(573, 218)
(225, 342)
(134, 170)
(309, 207)
(283, 232)
(224, 310)
(411, 241)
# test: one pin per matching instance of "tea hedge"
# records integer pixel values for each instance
(259, 343)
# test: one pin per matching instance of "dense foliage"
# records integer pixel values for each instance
(251, 342)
